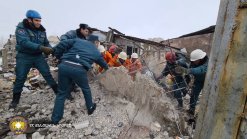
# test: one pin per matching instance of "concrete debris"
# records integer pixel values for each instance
(5, 85)
(125, 108)
(8, 75)
(88, 131)
(144, 93)
(81, 125)
(21, 136)
(37, 135)
(155, 126)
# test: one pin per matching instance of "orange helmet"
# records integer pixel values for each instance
(171, 57)
(112, 48)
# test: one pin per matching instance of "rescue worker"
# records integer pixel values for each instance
(31, 42)
(179, 81)
(135, 65)
(106, 55)
(77, 57)
(198, 68)
(82, 32)
(112, 50)
(121, 60)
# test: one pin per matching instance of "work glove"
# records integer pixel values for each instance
(46, 50)
(181, 70)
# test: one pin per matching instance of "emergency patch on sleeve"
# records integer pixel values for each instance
(21, 32)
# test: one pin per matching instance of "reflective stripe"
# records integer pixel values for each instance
(73, 63)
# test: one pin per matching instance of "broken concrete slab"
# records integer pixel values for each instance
(81, 125)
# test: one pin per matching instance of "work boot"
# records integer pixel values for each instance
(54, 88)
(91, 110)
(15, 100)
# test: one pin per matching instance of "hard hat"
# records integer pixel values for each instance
(134, 55)
(33, 14)
(112, 48)
(170, 56)
(197, 54)
(122, 55)
(183, 50)
(101, 48)
(93, 38)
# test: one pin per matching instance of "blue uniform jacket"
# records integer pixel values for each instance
(79, 51)
(72, 35)
(29, 40)
(170, 67)
(199, 72)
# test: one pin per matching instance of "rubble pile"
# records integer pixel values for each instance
(125, 109)
(149, 101)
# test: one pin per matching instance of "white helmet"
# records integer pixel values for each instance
(183, 50)
(122, 55)
(101, 48)
(134, 55)
(197, 54)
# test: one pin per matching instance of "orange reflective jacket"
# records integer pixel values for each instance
(135, 67)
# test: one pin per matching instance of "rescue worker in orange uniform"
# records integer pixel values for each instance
(106, 55)
(135, 65)
(121, 60)
(112, 49)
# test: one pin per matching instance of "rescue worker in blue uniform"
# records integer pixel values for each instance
(31, 43)
(77, 57)
(198, 68)
(180, 81)
(82, 32)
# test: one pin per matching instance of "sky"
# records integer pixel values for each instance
(140, 18)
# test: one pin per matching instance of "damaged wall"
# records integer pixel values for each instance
(194, 42)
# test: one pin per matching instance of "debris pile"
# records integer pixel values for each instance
(125, 109)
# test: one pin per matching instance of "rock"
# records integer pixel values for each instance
(120, 124)
(48, 136)
(155, 126)
(37, 135)
(81, 136)
(26, 90)
(186, 137)
(54, 128)
(11, 110)
(88, 131)
(98, 126)
(81, 125)
(78, 105)
(95, 132)
(7, 75)
(5, 85)
(34, 107)
(166, 134)
(21, 136)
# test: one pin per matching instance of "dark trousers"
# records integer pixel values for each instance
(194, 96)
(24, 63)
(180, 88)
(67, 74)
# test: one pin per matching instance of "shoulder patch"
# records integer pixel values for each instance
(21, 32)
